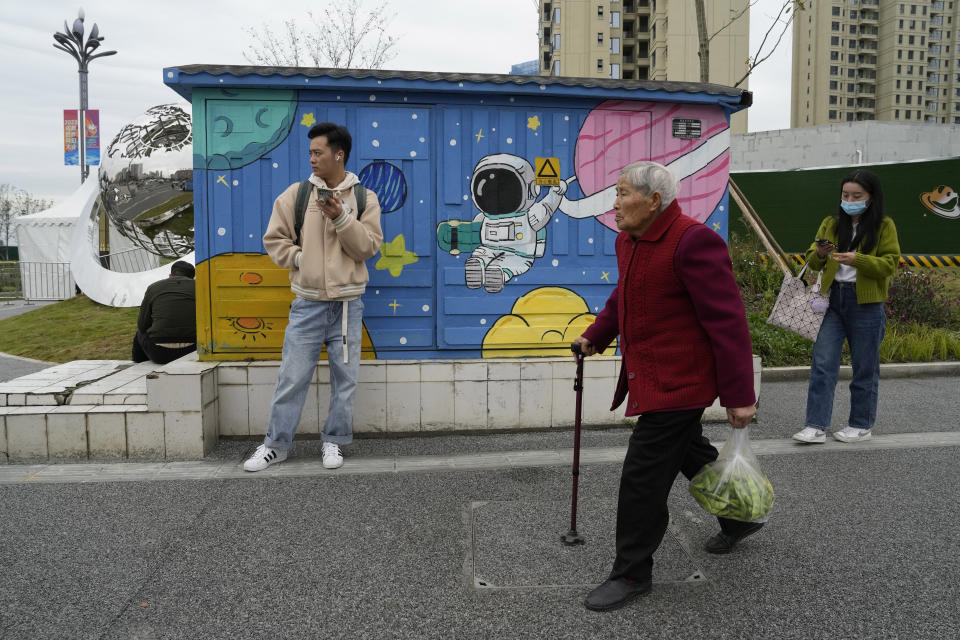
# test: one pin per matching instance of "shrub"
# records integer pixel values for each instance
(918, 296)
(759, 279)
(923, 324)
(777, 347)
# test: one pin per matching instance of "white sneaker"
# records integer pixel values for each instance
(263, 457)
(852, 434)
(810, 435)
(332, 458)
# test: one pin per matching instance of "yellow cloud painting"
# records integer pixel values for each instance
(542, 323)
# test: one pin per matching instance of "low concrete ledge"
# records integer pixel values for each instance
(56, 385)
(106, 422)
(889, 370)
(412, 396)
(416, 396)
(189, 404)
(81, 432)
(185, 393)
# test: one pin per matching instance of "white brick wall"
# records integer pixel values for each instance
(67, 435)
(27, 434)
(192, 404)
(832, 145)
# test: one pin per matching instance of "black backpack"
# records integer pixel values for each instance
(303, 199)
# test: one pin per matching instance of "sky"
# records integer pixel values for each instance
(38, 82)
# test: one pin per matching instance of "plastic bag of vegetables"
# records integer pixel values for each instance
(734, 486)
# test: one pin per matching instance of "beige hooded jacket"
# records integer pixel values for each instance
(330, 265)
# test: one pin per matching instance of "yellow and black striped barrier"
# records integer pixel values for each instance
(931, 260)
(913, 260)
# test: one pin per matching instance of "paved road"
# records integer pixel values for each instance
(10, 308)
(12, 366)
(863, 542)
(862, 545)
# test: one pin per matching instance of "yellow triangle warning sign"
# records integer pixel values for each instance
(547, 171)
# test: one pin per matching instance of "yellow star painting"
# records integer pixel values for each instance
(533, 123)
(394, 255)
(308, 120)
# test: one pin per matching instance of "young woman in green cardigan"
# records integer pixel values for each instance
(858, 251)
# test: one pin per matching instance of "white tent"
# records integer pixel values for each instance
(44, 239)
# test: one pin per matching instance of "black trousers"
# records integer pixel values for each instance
(146, 349)
(663, 444)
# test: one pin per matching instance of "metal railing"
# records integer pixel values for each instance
(54, 280)
(130, 261)
(46, 281)
(11, 287)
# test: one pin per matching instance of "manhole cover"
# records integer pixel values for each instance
(516, 544)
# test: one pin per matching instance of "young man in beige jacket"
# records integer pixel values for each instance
(328, 276)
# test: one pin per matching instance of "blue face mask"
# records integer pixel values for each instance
(853, 208)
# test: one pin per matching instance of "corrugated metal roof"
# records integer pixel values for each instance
(288, 76)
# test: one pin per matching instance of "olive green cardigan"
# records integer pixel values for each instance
(874, 269)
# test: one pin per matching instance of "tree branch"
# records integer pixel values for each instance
(739, 14)
(756, 59)
(339, 36)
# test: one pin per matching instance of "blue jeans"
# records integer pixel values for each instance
(862, 326)
(314, 324)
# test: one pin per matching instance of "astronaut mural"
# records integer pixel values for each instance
(482, 256)
(509, 231)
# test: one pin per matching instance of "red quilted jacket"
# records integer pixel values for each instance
(683, 330)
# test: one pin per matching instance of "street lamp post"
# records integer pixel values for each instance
(71, 41)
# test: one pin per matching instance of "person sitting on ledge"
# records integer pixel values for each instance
(167, 324)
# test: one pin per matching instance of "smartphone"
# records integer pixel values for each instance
(323, 195)
(823, 242)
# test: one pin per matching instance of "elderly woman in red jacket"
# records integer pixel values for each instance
(685, 341)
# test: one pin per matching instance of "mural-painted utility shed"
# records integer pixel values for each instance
(496, 191)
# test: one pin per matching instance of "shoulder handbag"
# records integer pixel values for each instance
(799, 307)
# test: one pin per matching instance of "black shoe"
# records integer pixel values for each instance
(725, 542)
(614, 593)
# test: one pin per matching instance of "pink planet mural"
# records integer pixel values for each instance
(619, 132)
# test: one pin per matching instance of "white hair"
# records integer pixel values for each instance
(648, 177)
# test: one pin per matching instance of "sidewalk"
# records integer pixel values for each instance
(226, 464)
(12, 366)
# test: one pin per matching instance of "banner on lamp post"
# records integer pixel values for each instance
(71, 140)
(91, 137)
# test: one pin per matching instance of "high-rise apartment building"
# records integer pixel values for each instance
(876, 60)
(644, 40)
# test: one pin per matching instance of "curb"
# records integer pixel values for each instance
(22, 359)
(52, 473)
(890, 370)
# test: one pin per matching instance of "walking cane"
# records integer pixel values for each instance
(571, 538)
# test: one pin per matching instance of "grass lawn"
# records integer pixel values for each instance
(75, 329)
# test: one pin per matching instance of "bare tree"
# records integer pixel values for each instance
(778, 28)
(16, 202)
(341, 36)
(6, 217)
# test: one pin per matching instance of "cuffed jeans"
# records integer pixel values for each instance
(663, 444)
(314, 324)
(862, 326)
